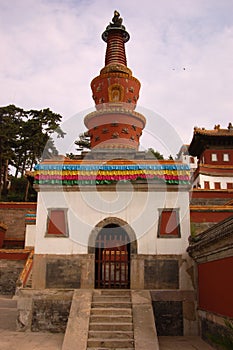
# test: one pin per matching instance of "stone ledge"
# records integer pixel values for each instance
(172, 295)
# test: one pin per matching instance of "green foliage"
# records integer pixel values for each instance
(156, 154)
(224, 341)
(192, 229)
(25, 136)
(83, 141)
(19, 190)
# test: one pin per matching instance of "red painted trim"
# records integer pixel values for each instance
(13, 255)
(215, 284)
(213, 170)
(199, 193)
(209, 216)
(18, 205)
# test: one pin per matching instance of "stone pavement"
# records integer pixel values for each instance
(34, 341)
(10, 339)
(183, 343)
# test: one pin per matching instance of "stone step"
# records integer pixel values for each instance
(110, 319)
(110, 343)
(105, 348)
(29, 281)
(111, 298)
(111, 322)
(29, 284)
(112, 292)
(8, 302)
(111, 311)
(111, 326)
(109, 304)
(110, 335)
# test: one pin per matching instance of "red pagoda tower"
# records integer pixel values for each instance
(115, 124)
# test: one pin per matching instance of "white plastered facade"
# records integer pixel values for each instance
(140, 210)
(202, 178)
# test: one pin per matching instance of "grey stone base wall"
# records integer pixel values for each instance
(147, 271)
(168, 317)
(9, 273)
(161, 273)
(63, 271)
(214, 330)
(169, 278)
(43, 311)
(50, 315)
(174, 312)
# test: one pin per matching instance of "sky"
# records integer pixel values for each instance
(180, 50)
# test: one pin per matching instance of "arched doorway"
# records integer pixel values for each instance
(112, 257)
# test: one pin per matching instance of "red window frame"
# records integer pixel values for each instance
(217, 185)
(169, 224)
(57, 222)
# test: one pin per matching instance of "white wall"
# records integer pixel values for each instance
(30, 236)
(186, 159)
(212, 179)
(87, 209)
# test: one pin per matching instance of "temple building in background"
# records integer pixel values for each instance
(214, 150)
(212, 183)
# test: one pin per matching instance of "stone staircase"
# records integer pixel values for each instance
(111, 321)
(29, 281)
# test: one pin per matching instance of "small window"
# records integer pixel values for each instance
(192, 160)
(229, 185)
(217, 185)
(225, 157)
(206, 185)
(115, 93)
(169, 226)
(57, 222)
(214, 157)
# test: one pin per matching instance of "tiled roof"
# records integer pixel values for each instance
(217, 233)
(203, 138)
(217, 131)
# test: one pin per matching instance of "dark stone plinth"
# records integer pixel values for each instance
(161, 274)
(63, 274)
(168, 318)
(50, 315)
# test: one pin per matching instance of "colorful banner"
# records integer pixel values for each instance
(97, 174)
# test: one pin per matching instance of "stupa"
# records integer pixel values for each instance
(115, 219)
(115, 124)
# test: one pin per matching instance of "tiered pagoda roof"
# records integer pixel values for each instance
(115, 124)
(203, 139)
